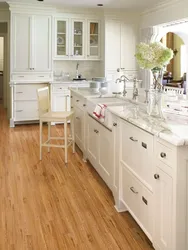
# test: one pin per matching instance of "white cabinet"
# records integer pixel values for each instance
(77, 39)
(79, 127)
(93, 39)
(60, 98)
(120, 46)
(163, 210)
(24, 102)
(31, 43)
(21, 42)
(92, 141)
(99, 149)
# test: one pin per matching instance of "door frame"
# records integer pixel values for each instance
(4, 35)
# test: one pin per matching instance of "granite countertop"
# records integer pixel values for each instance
(173, 128)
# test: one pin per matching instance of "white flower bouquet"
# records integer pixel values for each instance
(153, 56)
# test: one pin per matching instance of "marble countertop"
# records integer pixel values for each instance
(173, 128)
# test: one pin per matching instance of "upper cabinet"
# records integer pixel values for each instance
(120, 45)
(93, 39)
(77, 39)
(31, 43)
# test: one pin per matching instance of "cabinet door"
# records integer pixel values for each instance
(21, 42)
(92, 141)
(112, 44)
(58, 102)
(128, 46)
(41, 49)
(106, 155)
(93, 40)
(163, 210)
(62, 38)
(78, 39)
(79, 127)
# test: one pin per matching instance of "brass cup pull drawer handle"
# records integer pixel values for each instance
(77, 100)
(133, 190)
(21, 110)
(21, 76)
(132, 139)
(163, 155)
(156, 176)
(78, 118)
(19, 92)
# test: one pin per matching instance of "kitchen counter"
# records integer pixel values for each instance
(173, 128)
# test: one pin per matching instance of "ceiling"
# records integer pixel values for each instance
(118, 4)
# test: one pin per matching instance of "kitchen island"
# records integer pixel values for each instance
(143, 160)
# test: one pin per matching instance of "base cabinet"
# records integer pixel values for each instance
(99, 149)
(79, 127)
(163, 210)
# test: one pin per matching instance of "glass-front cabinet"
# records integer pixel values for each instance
(93, 48)
(78, 38)
(62, 36)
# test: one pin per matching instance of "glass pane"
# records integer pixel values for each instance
(78, 38)
(94, 28)
(94, 36)
(94, 51)
(61, 38)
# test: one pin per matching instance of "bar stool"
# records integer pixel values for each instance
(46, 115)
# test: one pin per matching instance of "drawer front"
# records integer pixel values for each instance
(26, 92)
(61, 89)
(26, 110)
(79, 102)
(165, 154)
(31, 77)
(139, 200)
(137, 152)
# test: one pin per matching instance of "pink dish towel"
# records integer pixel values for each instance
(99, 112)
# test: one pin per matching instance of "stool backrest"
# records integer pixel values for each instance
(43, 100)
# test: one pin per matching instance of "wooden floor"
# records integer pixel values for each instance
(45, 205)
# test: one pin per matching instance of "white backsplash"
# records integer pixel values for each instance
(87, 69)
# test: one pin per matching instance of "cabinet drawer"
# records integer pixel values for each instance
(165, 154)
(26, 92)
(137, 152)
(61, 89)
(138, 199)
(25, 110)
(32, 77)
(79, 102)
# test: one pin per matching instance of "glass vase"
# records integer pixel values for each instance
(155, 103)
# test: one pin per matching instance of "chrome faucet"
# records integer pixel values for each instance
(77, 74)
(124, 79)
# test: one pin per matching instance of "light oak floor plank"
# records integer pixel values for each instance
(48, 206)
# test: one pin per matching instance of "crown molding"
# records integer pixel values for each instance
(160, 6)
(27, 7)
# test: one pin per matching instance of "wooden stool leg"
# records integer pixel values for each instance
(65, 135)
(49, 128)
(72, 134)
(40, 140)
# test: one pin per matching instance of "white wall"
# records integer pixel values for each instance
(164, 13)
(1, 53)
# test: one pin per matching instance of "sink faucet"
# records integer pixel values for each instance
(124, 79)
(77, 74)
